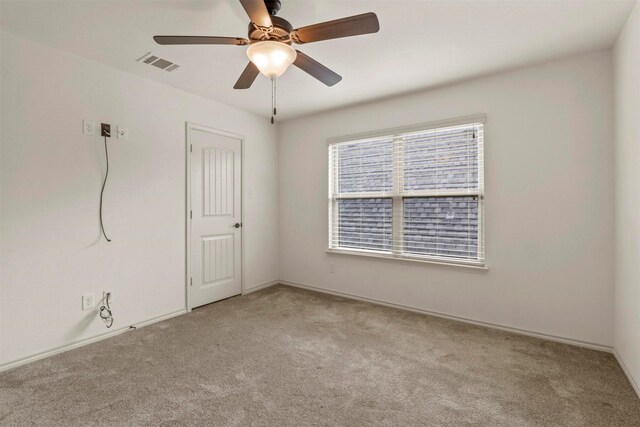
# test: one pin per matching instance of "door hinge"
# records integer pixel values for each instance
(191, 214)
(191, 148)
(191, 281)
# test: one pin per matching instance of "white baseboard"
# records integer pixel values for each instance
(61, 349)
(260, 287)
(80, 343)
(564, 340)
(634, 384)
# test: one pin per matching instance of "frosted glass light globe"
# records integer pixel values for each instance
(272, 58)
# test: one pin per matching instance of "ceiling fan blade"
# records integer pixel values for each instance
(258, 12)
(247, 77)
(346, 27)
(238, 41)
(316, 69)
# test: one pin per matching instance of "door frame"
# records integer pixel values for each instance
(189, 126)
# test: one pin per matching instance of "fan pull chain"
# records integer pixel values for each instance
(273, 99)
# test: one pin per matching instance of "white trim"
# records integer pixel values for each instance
(159, 318)
(634, 384)
(61, 349)
(187, 261)
(189, 126)
(260, 287)
(390, 132)
(397, 200)
(555, 338)
(422, 260)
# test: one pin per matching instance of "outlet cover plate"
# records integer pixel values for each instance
(88, 127)
(88, 301)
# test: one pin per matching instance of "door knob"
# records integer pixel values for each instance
(237, 225)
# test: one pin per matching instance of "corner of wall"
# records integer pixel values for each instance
(626, 62)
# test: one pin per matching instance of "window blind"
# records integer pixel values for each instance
(416, 194)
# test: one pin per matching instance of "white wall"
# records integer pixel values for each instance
(549, 202)
(627, 197)
(51, 250)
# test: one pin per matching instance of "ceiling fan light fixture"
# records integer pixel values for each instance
(271, 57)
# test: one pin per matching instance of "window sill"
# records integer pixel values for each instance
(481, 267)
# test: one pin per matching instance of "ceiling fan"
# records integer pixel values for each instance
(270, 38)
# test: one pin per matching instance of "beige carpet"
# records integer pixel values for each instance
(288, 357)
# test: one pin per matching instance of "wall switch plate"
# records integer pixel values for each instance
(88, 127)
(332, 267)
(105, 130)
(123, 133)
(88, 301)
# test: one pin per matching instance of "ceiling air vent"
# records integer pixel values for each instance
(163, 64)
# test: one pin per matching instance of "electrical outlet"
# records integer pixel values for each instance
(123, 133)
(88, 127)
(105, 130)
(88, 301)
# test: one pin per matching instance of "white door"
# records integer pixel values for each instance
(215, 163)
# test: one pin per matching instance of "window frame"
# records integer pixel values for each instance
(397, 195)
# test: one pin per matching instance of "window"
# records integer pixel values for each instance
(415, 193)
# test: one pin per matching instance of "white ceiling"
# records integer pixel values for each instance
(421, 44)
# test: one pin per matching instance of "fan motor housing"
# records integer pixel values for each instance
(280, 31)
(273, 6)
